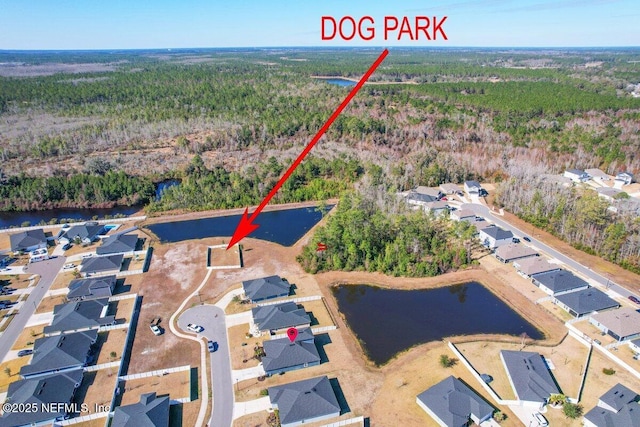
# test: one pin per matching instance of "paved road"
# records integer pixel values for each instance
(215, 329)
(485, 212)
(47, 270)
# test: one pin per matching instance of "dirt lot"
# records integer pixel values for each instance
(176, 385)
(47, 304)
(238, 336)
(111, 341)
(221, 257)
(96, 389)
(14, 365)
(28, 335)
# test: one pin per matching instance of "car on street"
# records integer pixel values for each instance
(25, 352)
(87, 255)
(212, 346)
(634, 299)
(540, 419)
(526, 239)
(195, 328)
(156, 330)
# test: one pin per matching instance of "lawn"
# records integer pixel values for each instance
(14, 366)
(108, 342)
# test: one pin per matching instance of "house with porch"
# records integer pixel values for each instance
(28, 241)
(472, 187)
(527, 267)
(84, 233)
(492, 237)
(101, 265)
(91, 288)
(577, 175)
(118, 244)
(513, 252)
(80, 316)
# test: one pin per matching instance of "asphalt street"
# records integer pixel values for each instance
(212, 319)
(483, 211)
(47, 270)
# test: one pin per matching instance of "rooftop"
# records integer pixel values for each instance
(623, 322)
(26, 239)
(60, 352)
(151, 411)
(95, 287)
(534, 265)
(514, 251)
(282, 353)
(80, 315)
(89, 231)
(559, 281)
(529, 375)
(100, 264)
(304, 400)
(279, 316)
(587, 300)
(118, 243)
(265, 288)
(497, 233)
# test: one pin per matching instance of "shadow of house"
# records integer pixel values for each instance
(342, 400)
(322, 340)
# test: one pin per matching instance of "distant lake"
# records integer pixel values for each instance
(7, 219)
(339, 82)
(389, 321)
(284, 227)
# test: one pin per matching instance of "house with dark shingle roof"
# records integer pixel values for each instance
(558, 282)
(492, 237)
(451, 403)
(27, 241)
(91, 288)
(86, 233)
(304, 401)
(60, 353)
(277, 317)
(529, 377)
(265, 288)
(101, 264)
(118, 244)
(472, 187)
(282, 355)
(151, 411)
(421, 196)
(618, 407)
(79, 316)
(622, 324)
(514, 251)
(584, 302)
(40, 393)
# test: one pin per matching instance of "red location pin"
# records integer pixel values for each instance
(292, 333)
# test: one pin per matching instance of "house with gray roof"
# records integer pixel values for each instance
(421, 196)
(463, 215)
(91, 288)
(527, 267)
(282, 355)
(304, 401)
(151, 411)
(472, 187)
(608, 193)
(265, 288)
(449, 188)
(492, 237)
(634, 345)
(60, 353)
(451, 403)
(618, 407)
(277, 317)
(118, 244)
(27, 241)
(101, 264)
(514, 251)
(4, 259)
(622, 324)
(85, 233)
(576, 175)
(40, 393)
(79, 316)
(598, 175)
(586, 301)
(529, 377)
(558, 282)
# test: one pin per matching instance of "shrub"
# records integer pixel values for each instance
(608, 371)
(446, 361)
(264, 392)
(572, 410)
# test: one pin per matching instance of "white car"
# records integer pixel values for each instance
(156, 330)
(540, 419)
(69, 266)
(195, 328)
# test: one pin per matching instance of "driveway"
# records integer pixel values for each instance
(485, 212)
(47, 270)
(215, 329)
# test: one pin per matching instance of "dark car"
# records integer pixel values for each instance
(212, 346)
(634, 299)
(515, 240)
(526, 239)
(67, 246)
(25, 352)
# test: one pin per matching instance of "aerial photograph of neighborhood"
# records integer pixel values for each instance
(336, 214)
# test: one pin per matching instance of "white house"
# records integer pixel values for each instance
(472, 187)
(625, 178)
(598, 175)
(492, 237)
(576, 175)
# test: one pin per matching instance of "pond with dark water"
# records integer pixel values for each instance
(8, 219)
(389, 321)
(284, 227)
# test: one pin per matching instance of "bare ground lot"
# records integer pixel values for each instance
(239, 352)
(221, 257)
(13, 372)
(176, 385)
(96, 389)
(110, 345)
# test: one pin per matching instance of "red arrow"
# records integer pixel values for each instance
(246, 225)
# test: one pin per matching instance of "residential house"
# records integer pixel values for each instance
(625, 178)
(60, 353)
(472, 187)
(558, 282)
(449, 188)
(480, 225)
(529, 377)
(150, 411)
(109, 264)
(622, 324)
(90, 288)
(282, 355)
(618, 407)
(608, 193)
(527, 267)
(557, 179)
(634, 345)
(265, 288)
(118, 244)
(84, 233)
(586, 301)
(463, 215)
(514, 251)
(451, 403)
(438, 208)
(420, 196)
(492, 237)
(598, 175)
(304, 402)
(80, 316)
(46, 392)
(27, 241)
(278, 317)
(576, 175)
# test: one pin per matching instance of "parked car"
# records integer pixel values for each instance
(87, 255)
(25, 352)
(212, 346)
(67, 247)
(156, 329)
(69, 266)
(515, 240)
(540, 419)
(195, 328)
(634, 299)
(526, 239)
